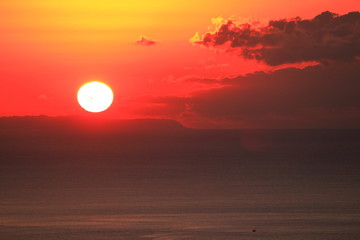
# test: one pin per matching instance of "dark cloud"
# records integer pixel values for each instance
(284, 91)
(316, 96)
(143, 41)
(326, 37)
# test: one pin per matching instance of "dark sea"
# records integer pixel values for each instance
(189, 184)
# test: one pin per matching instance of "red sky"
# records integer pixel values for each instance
(50, 48)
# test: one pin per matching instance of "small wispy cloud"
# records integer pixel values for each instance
(144, 41)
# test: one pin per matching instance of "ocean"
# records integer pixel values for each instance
(189, 184)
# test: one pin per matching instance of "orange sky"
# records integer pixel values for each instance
(50, 48)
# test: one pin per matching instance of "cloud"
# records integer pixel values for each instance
(284, 91)
(144, 41)
(316, 96)
(327, 37)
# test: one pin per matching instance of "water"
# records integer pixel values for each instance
(286, 185)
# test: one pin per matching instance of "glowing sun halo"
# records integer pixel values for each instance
(95, 96)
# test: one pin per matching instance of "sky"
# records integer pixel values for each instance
(206, 64)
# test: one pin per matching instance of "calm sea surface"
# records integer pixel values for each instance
(203, 185)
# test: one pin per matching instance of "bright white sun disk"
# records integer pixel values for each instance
(95, 96)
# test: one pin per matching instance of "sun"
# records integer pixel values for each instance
(95, 96)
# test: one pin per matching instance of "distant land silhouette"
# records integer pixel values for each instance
(42, 139)
(86, 124)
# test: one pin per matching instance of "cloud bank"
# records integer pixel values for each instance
(325, 95)
(313, 97)
(326, 37)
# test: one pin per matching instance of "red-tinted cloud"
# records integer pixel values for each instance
(145, 42)
(325, 95)
(316, 96)
(284, 91)
(326, 37)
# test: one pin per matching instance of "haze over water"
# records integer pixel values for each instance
(183, 184)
